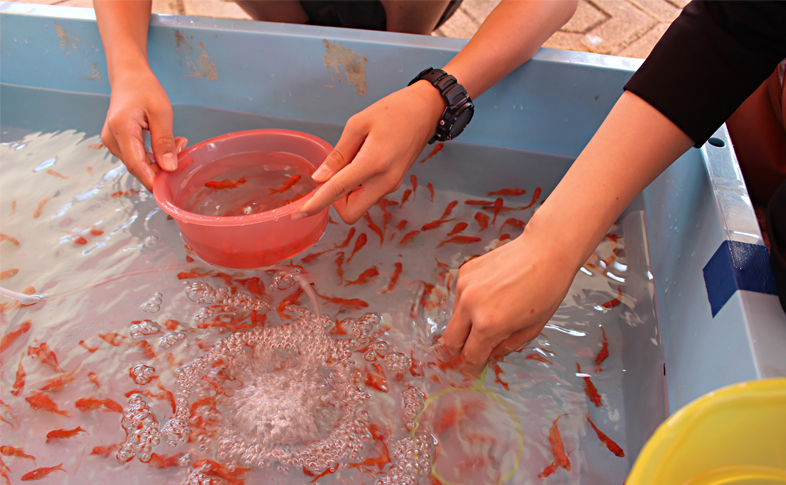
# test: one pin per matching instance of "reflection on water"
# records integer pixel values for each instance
(183, 373)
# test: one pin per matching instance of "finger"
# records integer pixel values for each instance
(517, 340)
(132, 151)
(352, 207)
(458, 329)
(161, 138)
(351, 140)
(479, 345)
(339, 186)
(108, 139)
(181, 143)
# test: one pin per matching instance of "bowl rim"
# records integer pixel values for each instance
(163, 196)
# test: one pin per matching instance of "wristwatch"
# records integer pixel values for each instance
(460, 108)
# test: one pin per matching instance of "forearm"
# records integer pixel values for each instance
(631, 148)
(123, 25)
(508, 38)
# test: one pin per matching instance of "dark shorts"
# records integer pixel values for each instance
(362, 14)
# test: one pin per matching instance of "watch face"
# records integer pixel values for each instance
(461, 119)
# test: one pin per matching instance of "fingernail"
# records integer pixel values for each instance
(298, 215)
(169, 161)
(320, 174)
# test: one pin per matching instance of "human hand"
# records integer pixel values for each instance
(376, 149)
(505, 298)
(139, 104)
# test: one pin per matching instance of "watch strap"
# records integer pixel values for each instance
(452, 92)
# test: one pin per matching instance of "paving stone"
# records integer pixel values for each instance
(585, 18)
(171, 7)
(679, 3)
(478, 10)
(659, 9)
(76, 3)
(460, 26)
(626, 24)
(567, 41)
(213, 8)
(642, 47)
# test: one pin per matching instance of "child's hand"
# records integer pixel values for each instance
(138, 105)
(376, 149)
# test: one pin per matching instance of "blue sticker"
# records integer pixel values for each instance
(737, 266)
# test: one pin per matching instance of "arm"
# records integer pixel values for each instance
(138, 102)
(497, 307)
(380, 144)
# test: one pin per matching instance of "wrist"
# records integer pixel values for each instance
(127, 65)
(430, 98)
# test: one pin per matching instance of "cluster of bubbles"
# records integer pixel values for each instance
(201, 292)
(285, 279)
(281, 395)
(153, 305)
(397, 363)
(141, 374)
(411, 457)
(140, 330)
(377, 349)
(171, 339)
(414, 400)
(141, 427)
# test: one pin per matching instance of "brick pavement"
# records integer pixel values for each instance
(628, 28)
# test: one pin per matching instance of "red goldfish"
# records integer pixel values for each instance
(604, 351)
(350, 235)
(11, 337)
(507, 193)
(535, 196)
(291, 181)
(54, 384)
(611, 445)
(459, 227)
(45, 356)
(61, 434)
(616, 301)
(39, 400)
(405, 197)
(459, 240)
(359, 243)
(483, 220)
(590, 389)
(364, 277)
(12, 240)
(394, 278)
(19, 383)
(430, 190)
(433, 152)
(42, 472)
(225, 184)
(374, 228)
(9, 273)
(41, 204)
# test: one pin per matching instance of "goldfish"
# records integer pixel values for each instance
(434, 224)
(386, 215)
(94, 379)
(41, 204)
(80, 241)
(15, 453)
(346, 304)
(11, 337)
(430, 191)
(104, 451)
(449, 209)
(604, 351)
(513, 222)
(497, 373)
(408, 237)
(13, 208)
(42, 472)
(497, 207)
(310, 258)
(12, 240)
(405, 197)
(507, 193)
(350, 235)
(19, 382)
(95, 146)
(481, 203)
(459, 227)
(6, 415)
(39, 400)
(611, 445)
(535, 196)
(327, 471)
(459, 240)
(93, 404)
(414, 181)
(127, 193)
(589, 388)
(45, 356)
(61, 434)
(433, 152)
(113, 339)
(291, 299)
(90, 170)
(56, 174)
(331, 221)
(291, 181)
(394, 278)
(364, 277)
(217, 470)
(194, 273)
(374, 228)
(54, 384)
(86, 347)
(225, 184)
(359, 243)
(147, 349)
(557, 447)
(482, 220)
(377, 381)
(96, 232)
(538, 358)
(616, 301)
(340, 266)
(9, 273)
(163, 461)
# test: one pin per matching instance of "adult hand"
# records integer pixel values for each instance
(139, 104)
(375, 151)
(505, 298)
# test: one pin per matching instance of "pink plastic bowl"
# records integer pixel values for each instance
(247, 241)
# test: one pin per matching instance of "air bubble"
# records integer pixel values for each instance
(141, 374)
(171, 339)
(140, 330)
(153, 305)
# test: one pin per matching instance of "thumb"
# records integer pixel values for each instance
(347, 147)
(162, 140)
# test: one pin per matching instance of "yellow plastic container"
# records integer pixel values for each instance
(735, 435)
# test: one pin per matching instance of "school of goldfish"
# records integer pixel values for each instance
(180, 382)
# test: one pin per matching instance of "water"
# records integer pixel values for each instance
(228, 375)
(247, 183)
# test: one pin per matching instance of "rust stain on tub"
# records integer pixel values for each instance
(95, 74)
(354, 65)
(203, 66)
(66, 39)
